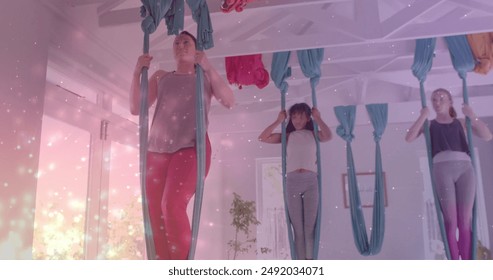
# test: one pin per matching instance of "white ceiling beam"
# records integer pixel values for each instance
(364, 52)
(335, 38)
(435, 78)
(330, 83)
(362, 88)
(406, 16)
(88, 70)
(256, 27)
(163, 40)
(455, 15)
(450, 25)
(475, 5)
(329, 19)
(275, 4)
(108, 6)
(321, 15)
(74, 3)
(284, 42)
(291, 3)
(367, 18)
(117, 17)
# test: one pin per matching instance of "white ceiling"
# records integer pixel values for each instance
(369, 45)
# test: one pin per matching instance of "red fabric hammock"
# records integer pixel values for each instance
(246, 70)
(238, 5)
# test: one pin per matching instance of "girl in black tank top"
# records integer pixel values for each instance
(452, 171)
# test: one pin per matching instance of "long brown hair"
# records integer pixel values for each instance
(300, 108)
(451, 110)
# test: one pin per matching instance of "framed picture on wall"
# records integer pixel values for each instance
(366, 186)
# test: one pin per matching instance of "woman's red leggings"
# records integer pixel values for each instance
(171, 181)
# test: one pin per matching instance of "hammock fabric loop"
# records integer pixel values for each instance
(463, 62)
(423, 58)
(461, 55)
(378, 116)
(310, 61)
(346, 116)
(377, 137)
(280, 70)
(175, 17)
(200, 14)
(153, 12)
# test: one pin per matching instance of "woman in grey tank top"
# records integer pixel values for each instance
(453, 172)
(171, 158)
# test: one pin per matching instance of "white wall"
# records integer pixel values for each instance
(486, 157)
(23, 56)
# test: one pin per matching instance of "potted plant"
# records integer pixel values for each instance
(243, 214)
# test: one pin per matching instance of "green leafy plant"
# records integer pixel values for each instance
(243, 214)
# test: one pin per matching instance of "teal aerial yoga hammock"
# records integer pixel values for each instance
(423, 60)
(200, 13)
(153, 11)
(378, 116)
(463, 62)
(279, 72)
(310, 62)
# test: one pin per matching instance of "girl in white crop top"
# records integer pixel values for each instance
(301, 169)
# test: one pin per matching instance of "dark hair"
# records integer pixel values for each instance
(190, 35)
(451, 110)
(300, 108)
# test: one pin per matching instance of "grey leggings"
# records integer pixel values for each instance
(456, 188)
(302, 202)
